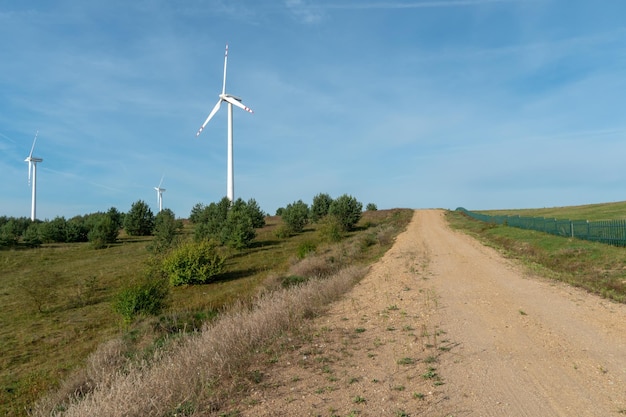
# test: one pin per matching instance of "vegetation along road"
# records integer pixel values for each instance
(444, 326)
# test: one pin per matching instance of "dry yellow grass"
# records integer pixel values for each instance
(197, 371)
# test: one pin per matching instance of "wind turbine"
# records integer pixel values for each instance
(32, 168)
(159, 191)
(230, 99)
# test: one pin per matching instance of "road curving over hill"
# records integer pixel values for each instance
(444, 326)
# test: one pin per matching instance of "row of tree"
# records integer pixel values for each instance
(101, 228)
(230, 224)
(345, 211)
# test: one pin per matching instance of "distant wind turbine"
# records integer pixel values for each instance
(32, 168)
(230, 99)
(159, 191)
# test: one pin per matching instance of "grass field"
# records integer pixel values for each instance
(56, 300)
(596, 267)
(606, 211)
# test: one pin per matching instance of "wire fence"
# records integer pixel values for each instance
(611, 232)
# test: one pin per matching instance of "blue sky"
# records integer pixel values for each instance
(484, 104)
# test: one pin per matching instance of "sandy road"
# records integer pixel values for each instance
(528, 347)
(443, 326)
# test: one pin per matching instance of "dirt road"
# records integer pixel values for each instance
(443, 326)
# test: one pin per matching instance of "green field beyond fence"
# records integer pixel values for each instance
(612, 232)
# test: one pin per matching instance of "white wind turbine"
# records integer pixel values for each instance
(230, 99)
(159, 191)
(32, 168)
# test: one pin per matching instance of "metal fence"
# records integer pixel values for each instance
(612, 232)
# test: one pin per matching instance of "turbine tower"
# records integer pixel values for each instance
(32, 169)
(230, 99)
(159, 191)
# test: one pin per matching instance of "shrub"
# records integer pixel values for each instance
(305, 248)
(193, 263)
(347, 210)
(282, 231)
(320, 206)
(139, 221)
(145, 298)
(292, 280)
(296, 216)
(371, 207)
(331, 230)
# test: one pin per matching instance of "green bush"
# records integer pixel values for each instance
(305, 248)
(193, 263)
(347, 210)
(145, 298)
(282, 231)
(292, 280)
(331, 229)
(371, 207)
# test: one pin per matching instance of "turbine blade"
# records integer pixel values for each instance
(161, 182)
(215, 109)
(30, 168)
(225, 62)
(237, 103)
(33, 147)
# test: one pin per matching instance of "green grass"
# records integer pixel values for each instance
(57, 300)
(605, 211)
(596, 267)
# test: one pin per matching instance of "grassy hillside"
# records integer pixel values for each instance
(596, 267)
(605, 211)
(57, 299)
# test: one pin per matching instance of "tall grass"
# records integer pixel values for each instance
(157, 367)
(200, 371)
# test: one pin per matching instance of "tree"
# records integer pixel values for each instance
(104, 232)
(320, 206)
(139, 221)
(165, 229)
(9, 234)
(54, 230)
(31, 237)
(371, 207)
(296, 216)
(255, 213)
(231, 224)
(210, 219)
(116, 216)
(347, 210)
(238, 230)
